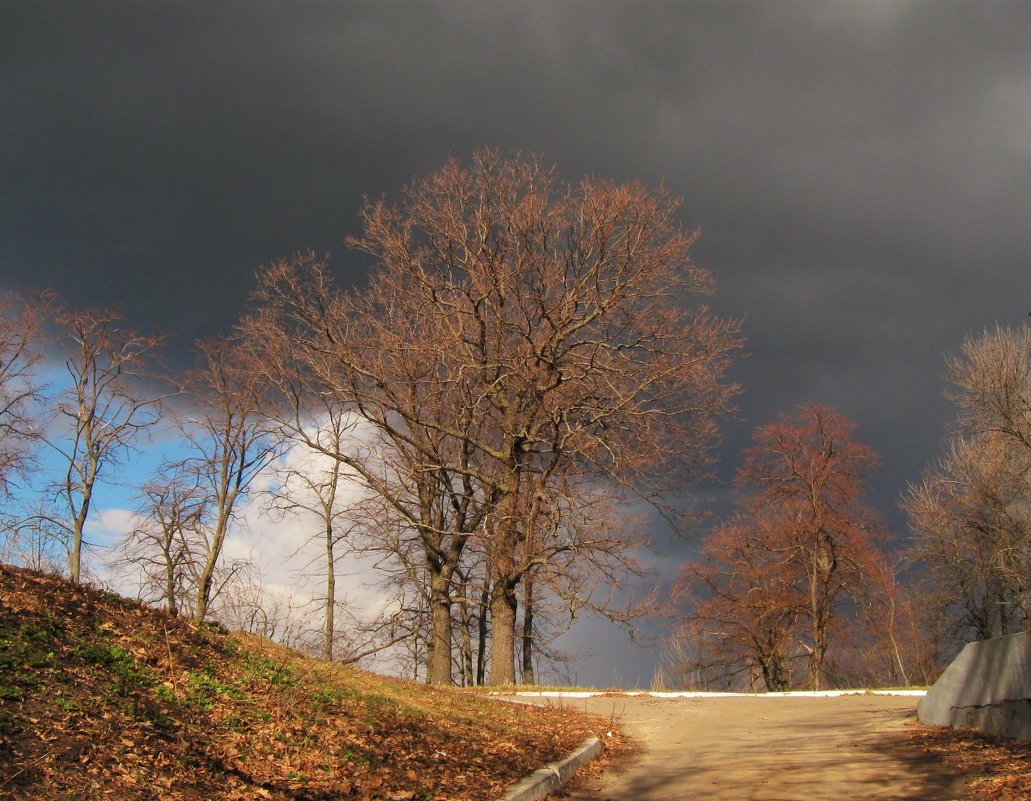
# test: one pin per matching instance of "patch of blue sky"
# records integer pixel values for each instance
(122, 474)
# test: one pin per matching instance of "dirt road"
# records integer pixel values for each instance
(850, 748)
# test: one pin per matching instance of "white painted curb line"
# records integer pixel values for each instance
(700, 694)
(549, 778)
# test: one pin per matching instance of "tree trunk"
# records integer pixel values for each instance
(503, 618)
(465, 630)
(528, 677)
(467, 645)
(481, 630)
(821, 619)
(894, 643)
(821, 602)
(439, 662)
(330, 593)
(226, 500)
(170, 583)
(776, 673)
(78, 524)
(207, 575)
(200, 611)
(75, 557)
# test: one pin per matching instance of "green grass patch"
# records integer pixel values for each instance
(327, 696)
(277, 673)
(203, 690)
(118, 663)
(26, 658)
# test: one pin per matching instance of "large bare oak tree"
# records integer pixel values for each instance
(518, 335)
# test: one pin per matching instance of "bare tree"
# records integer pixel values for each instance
(372, 354)
(34, 541)
(991, 385)
(247, 603)
(744, 599)
(803, 541)
(171, 510)
(21, 322)
(892, 641)
(970, 519)
(110, 402)
(318, 490)
(971, 515)
(232, 443)
(516, 332)
(569, 307)
(811, 471)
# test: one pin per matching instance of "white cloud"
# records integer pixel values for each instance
(285, 550)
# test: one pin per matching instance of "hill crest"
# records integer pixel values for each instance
(102, 697)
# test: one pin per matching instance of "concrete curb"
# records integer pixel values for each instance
(549, 778)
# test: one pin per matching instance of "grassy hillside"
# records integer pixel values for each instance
(105, 698)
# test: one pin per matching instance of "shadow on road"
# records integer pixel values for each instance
(774, 749)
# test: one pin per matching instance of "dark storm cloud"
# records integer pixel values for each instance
(862, 171)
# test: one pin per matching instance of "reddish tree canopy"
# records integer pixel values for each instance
(801, 541)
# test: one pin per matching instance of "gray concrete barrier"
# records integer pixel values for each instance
(987, 687)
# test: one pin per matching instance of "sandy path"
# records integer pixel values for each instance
(768, 749)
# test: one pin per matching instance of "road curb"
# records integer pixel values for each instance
(552, 776)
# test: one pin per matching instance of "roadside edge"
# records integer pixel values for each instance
(553, 775)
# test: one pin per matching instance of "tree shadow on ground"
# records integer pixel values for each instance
(875, 763)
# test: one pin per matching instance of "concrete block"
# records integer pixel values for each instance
(987, 687)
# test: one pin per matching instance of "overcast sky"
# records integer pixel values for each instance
(861, 170)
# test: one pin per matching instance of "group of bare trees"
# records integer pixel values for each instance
(971, 514)
(86, 420)
(528, 367)
(82, 395)
(801, 568)
(526, 356)
(102, 407)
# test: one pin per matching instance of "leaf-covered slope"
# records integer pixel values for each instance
(101, 697)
